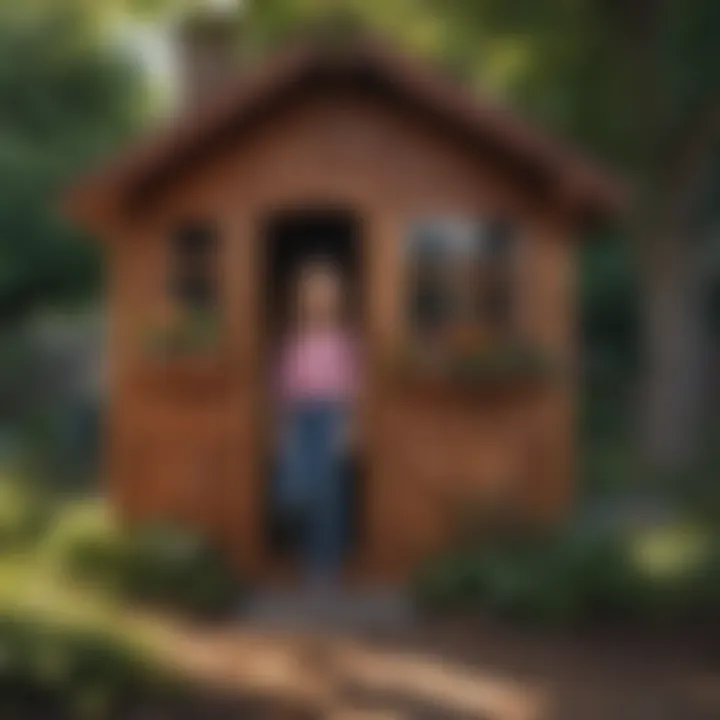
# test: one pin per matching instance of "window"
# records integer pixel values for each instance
(461, 278)
(495, 269)
(194, 266)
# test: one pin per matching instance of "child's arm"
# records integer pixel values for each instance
(277, 389)
(351, 429)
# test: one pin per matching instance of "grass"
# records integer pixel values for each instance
(34, 583)
(30, 583)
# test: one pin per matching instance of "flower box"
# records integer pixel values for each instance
(506, 367)
(185, 356)
(188, 374)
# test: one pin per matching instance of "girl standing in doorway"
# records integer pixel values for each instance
(317, 393)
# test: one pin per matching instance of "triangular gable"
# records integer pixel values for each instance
(582, 184)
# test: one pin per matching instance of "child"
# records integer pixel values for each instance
(317, 386)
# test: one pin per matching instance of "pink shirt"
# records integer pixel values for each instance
(320, 365)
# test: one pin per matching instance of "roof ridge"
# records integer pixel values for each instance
(455, 102)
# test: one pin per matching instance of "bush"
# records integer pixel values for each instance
(579, 577)
(60, 672)
(24, 514)
(170, 567)
(86, 541)
(162, 566)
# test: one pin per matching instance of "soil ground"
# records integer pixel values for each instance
(460, 669)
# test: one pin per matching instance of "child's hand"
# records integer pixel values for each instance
(351, 434)
(347, 437)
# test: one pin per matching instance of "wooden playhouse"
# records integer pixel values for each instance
(457, 225)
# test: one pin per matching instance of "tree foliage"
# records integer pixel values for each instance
(66, 100)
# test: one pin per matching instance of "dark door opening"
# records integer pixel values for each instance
(291, 239)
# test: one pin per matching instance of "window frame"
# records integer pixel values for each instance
(450, 240)
(194, 272)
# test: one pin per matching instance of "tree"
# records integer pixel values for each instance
(66, 100)
(672, 59)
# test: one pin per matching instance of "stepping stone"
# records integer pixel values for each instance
(331, 610)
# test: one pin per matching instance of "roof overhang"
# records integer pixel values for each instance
(568, 177)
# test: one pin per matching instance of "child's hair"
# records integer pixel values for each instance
(317, 265)
(314, 267)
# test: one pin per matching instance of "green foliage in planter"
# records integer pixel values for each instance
(577, 576)
(195, 332)
(61, 672)
(496, 365)
(501, 364)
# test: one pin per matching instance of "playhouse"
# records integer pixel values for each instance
(456, 225)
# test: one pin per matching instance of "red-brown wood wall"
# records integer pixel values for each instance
(185, 437)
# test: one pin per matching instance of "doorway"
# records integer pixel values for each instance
(292, 238)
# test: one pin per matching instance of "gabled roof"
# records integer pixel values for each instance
(463, 112)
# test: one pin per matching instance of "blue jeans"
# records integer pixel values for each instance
(311, 480)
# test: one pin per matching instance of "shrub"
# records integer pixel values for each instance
(680, 563)
(162, 566)
(579, 577)
(24, 514)
(168, 566)
(86, 541)
(61, 672)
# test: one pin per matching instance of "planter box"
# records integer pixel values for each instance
(497, 372)
(186, 374)
(448, 383)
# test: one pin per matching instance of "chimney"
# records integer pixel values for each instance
(209, 55)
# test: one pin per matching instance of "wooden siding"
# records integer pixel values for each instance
(185, 439)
